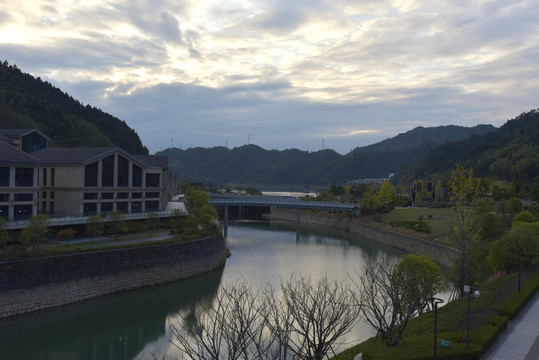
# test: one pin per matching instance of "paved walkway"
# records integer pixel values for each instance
(520, 339)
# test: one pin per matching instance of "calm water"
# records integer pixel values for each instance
(135, 325)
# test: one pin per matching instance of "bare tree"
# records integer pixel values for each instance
(309, 318)
(392, 291)
(231, 327)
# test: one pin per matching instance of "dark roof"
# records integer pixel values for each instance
(154, 160)
(72, 156)
(13, 133)
(11, 155)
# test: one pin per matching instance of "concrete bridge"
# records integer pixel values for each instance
(227, 200)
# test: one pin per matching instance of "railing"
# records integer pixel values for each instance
(72, 220)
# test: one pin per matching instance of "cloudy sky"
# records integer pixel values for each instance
(281, 74)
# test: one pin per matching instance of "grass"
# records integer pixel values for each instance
(489, 315)
(433, 217)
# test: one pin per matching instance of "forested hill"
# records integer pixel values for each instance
(509, 153)
(422, 136)
(27, 102)
(252, 165)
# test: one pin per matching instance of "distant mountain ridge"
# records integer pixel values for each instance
(251, 164)
(420, 136)
(28, 102)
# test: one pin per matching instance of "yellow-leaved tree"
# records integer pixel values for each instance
(461, 220)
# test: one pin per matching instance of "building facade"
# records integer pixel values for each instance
(81, 182)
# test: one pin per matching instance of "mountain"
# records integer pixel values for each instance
(28, 102)
(511, 152)
(422, 137)
(253, 165)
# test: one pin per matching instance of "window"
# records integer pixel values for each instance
(136, 195)
(136, 207)
(152, 195)
(52, 195)
(89, 209)
(123, 172)
(106, 207)
(152, 206)
(90, 175)
(90, 196)
(44, 194)
(23, 212)
(24, 177)
(107, 174)
(4, 211)
(4, 197)
(122, 195)
(137, 176)
(4, 176)
(24, 197)
(122, 206)
(52, 176)
(107, 196)
(44, 176)
(152, 180)
(44, 206)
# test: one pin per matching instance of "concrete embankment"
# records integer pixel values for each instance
(38, 284)
(442, 254)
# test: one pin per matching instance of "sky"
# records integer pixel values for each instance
(304, 74)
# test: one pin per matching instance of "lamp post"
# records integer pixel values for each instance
(519, 269)
(467, 289)
(435, 302)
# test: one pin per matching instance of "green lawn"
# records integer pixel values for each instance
(434, 217)
(489, 315)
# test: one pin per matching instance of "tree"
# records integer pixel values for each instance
(523, 238)
(116, 222)
(392, 291)
(95, 225)
(386, 194)
(34, 233)
(152, 221)
(303, 321)
(66, 234)
(4, 235)
(309, 318)
(524, 216)
(202, 216)
(420, 277)
(231, 327)
(461, 221)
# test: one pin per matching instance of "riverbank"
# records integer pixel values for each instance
(38, 284)
(440, 253)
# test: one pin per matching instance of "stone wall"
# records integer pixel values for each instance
(439, 253)
(38, 284)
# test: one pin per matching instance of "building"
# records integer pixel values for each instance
(18, 182)
(78, 181)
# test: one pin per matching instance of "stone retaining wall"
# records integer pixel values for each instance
(442, 254)
(33, 285)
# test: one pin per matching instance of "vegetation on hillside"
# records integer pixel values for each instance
(250, 164)
(28, 102)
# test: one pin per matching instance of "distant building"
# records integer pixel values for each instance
(77, 181)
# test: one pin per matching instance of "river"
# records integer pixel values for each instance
(135, 325)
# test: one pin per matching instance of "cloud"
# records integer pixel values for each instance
(288, 74)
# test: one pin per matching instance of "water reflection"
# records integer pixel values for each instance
(114, 327)
(135, 325)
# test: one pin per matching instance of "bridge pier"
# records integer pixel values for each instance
(225, 228)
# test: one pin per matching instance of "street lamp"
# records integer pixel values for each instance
(435, 302)
(467, 289)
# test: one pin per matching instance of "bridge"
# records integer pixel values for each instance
(227, 200)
